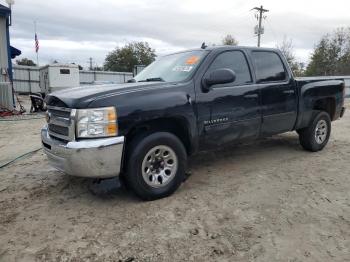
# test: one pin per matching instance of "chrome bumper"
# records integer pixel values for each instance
(95, 158)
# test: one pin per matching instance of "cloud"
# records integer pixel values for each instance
(73, 31)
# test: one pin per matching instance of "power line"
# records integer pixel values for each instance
(259, 30)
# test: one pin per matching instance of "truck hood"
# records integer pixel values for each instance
(80, 97)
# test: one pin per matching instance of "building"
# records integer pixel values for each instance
(6, 53)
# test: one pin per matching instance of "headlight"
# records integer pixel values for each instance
(97, 122)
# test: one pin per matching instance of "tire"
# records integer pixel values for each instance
(315, 137)
(153, 174)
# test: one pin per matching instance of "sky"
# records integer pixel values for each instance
(74, 30)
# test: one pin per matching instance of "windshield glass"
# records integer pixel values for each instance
(172, 68)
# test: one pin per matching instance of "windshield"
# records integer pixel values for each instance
(171, 68)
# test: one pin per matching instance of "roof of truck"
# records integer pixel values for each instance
(236, 47)
(227, 47)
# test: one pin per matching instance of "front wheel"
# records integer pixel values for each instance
(156, 165)
(315, 137)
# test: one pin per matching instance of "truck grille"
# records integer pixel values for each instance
(60, 124)
(61, 130)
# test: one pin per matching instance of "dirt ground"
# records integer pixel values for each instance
(262, 201)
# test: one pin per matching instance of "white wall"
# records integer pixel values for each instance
(3, 49)
(6, 99)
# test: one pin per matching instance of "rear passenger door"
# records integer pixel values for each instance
(278, 93)
(229, 112)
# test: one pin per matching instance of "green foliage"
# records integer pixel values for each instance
(298, 69)
(331, 55)
(79, 66)
(124, 59)
(229, 40)
(25, 62)
(97, 68)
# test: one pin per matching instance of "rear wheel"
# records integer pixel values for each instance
(315, 137)
(156, 165)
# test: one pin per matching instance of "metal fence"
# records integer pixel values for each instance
(347, 85)
(88, 77)
(26, 78)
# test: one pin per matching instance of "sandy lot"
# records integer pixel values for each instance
(263, 201)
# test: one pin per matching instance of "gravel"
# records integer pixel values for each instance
(266, 200)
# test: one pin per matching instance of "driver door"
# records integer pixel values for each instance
(229, 112)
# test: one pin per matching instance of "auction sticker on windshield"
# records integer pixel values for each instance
(182, 68)
(192, 60)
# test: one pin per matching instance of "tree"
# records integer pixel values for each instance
(97, 68)
(229, 40)
(25, 62)
(79, 66)
(331, 55)
(287, 49)
(125, 58)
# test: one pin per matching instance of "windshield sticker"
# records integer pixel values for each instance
(182, 68)
(192, 60)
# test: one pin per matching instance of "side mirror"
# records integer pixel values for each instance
(218, 76)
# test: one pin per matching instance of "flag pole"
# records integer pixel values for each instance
(36, 50)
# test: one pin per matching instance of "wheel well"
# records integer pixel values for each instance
(176, 126)
(326, 104)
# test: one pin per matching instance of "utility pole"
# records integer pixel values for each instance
(90, 61)
(259, 30)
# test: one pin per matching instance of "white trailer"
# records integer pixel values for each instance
(58, 76)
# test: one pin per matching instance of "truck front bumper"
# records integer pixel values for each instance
(94, 158)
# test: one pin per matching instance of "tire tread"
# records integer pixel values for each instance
(306, 135)
(133, 176)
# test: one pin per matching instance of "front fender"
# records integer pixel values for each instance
(171, 101)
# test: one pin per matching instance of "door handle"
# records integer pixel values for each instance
(251, 96)
(288, 92)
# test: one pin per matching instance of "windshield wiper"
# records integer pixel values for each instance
(153, 79)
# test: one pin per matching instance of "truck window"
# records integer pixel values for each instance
(236, 61)
(174, 67)
(268, 67)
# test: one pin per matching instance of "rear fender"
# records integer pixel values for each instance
(328, 93)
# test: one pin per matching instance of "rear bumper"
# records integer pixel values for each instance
(95, 158)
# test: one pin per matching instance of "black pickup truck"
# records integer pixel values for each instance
(144, 131)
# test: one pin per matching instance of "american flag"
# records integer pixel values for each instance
(36, 43)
